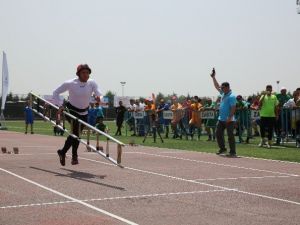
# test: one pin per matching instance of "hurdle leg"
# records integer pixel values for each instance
(119, 151)
(107, 147)
(79, 129)
(88, 140)
(97, 142)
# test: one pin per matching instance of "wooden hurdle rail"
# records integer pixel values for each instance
(43, 112)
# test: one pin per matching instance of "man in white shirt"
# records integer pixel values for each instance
(130, 121)
(80, 90)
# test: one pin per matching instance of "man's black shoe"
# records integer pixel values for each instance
(74, 161)
(221, 151)
(247, 140)
(62, 157)
(231, 155)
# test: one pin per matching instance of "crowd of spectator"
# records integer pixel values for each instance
(264, 115)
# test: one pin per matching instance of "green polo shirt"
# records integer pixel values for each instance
(101, 126)
(269, 104)
(283, 99)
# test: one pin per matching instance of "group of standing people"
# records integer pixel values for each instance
(271, 115)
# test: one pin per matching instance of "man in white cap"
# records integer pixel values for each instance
(80, 90)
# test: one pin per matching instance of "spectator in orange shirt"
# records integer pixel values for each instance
(196, 121)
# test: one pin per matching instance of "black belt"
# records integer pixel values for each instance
(73, 108)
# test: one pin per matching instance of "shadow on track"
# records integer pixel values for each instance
(83, 176)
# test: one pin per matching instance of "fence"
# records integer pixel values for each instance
(247, 123)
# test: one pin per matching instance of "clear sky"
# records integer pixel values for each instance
(155, 46)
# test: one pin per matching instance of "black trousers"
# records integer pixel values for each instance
(267, 124)
(119, 125)
(71, 141)
(221, 126)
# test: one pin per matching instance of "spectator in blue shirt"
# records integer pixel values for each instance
(99, 111)
(28, 117)
(92, 115)
(226, 118)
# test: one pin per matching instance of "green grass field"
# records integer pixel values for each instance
(285, 153)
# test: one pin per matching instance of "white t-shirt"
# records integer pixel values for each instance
(289, 104)
(79, 92)
(140, 107)
(132, 107)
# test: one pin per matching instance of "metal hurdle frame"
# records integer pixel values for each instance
(86, 143)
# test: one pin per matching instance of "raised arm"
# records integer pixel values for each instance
(97, 91)
(216, 84)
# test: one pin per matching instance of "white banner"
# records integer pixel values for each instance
(104, 101)
(168, 115)
(254, 114)
(208, 114)
(138, 115)
(125, 100)
(5, 81)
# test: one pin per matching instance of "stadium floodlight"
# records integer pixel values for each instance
(123, 84)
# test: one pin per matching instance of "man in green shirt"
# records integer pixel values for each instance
(243, 118)
(211, 123)
(268, 104)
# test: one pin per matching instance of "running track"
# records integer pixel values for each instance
(157, 186)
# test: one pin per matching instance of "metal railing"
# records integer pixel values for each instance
(247, 123)
(44, 109)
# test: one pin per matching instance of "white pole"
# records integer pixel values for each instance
(123, 84)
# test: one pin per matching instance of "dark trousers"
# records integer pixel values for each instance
(267, 124)
(221, 126)
(119, 125)
(71, 141)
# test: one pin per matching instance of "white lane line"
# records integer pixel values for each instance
(35, 204)
(155, 195)
(192, 160)
(44, 153)
(238, 178)
(29, 154)
(178, 152)
(111, 198)
(271, 160)
(197, 182)
(213, 163)
(38, 146)
(163, 175)
(269, 197)
(273, 146)
(22, 128)
(209, 153)
(70, 198)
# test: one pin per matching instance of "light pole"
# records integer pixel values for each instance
(278, 86)
(123, 84)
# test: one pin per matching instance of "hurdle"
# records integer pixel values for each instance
(44, 109)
